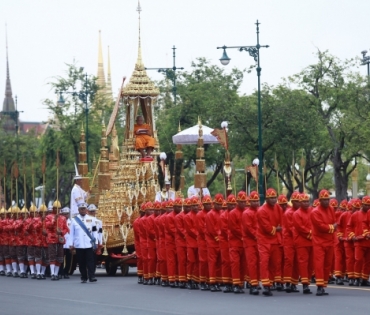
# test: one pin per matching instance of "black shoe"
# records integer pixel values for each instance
(236, 289)
(22, 275)
(273, 287)
(151, 282)
(365, 283)
(38, 277)
(172, 285)
(164, 283)
(43, 277)
(279, 287)
(294, 288)
(195, 286)
(53, 278)
(83, 280)
(189, 285)
(203, 286)
(93, 279)
(357, 283)
(288, 288)
(145, 282)
(247, 285)
(177, 285)
(228, 289)
(306, 289)
(320, 291)
(140, 280)
(182, 285)
(66, 277)
(9, 274)
(2, 273)
(351, 282)
(16, 275)
(213, 288)
(331, 280)
(253, 290)
(33, 276)
(339, 281)
(267, 291)
(218, 287)
(324, 293)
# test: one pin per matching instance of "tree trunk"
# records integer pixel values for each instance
(340, 176)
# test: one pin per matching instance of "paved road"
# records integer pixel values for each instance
(122, 295)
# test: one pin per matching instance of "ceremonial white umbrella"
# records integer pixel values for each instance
(191, 135)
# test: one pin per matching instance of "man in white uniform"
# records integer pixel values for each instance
(81, 242)
(192, 191)
(64, 271)
(78, 195)
(166, 195)
(92, 209)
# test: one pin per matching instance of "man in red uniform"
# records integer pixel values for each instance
(236, 250)
(212, 239)
(144, 244)
(303, 240)
(224, 244)
(136, 227)
(269, 239)
(170, 230)
(162, 238)
(291, 273)
(323, 228)
(21, 248)
(180, 242)
(30, 237)
(339, 251)
(348, 245)
(190, 220)
(249, 231)
(361, 244)
(202, 244)
(2, 241)
(365, 250)
(157, 216)
(151, 241)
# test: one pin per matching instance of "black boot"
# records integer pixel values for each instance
(189, 285)
(339, 281)
(273, 287)
(150, 281)
(236, 289)
(182, 285)
(267, 291)
(172, 285)
(253, 290)
(213, 288)
(365, 283)
(288, 288)
(351, 282)
(165, 284)
(228, 289)
(357, 283)
(140, 280)
(320, 291)
(145, 282)
(203, 286)
(306, 289)
(279, 287)
(294, 288)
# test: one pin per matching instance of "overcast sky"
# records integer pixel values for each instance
(43, 35)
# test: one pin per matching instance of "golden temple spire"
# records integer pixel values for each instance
(8, 104)
(139, 61)
(101, 75)
(109, 80)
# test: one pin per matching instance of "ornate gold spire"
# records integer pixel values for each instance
(140, 83)
(109, 81)
(101, 75)
(8, 104)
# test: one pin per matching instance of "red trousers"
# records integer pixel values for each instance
(362, 262)
(305, 263)
(225, 266)
(152, 261)
(158, 264)
(172, 263)
(349, 248)
(139, 260)
(163, 262)
(214, 265)
(252, 257)
(182, 262)
(270, 263)
(322, 263)
(340, 260)
(203, 264)
(193, 264)
(291, 273)
(237, 262)
(144, 256)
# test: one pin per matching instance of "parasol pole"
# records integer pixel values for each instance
(4, 186)
(24, 185)
(33, 184)
(16, 175)
(57, 165)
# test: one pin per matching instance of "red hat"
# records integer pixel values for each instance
(231, 199)
(343, 204)
(187, 202)
(356, 203)
(254, 196)
(333, 202)
(248, 201)
(242, 196)
(194, 200)
(169, 204)
(282, 199)
(304, 197)
(366, 200)
(218, 199)
(350, 205)
(207, 199)
(324, 194)
(316, 202)
(149, 205)
(143, 207)
(271, 193)
(224, 204)
(295, 196)
(157, 205)
(178, 202)
(164, 204)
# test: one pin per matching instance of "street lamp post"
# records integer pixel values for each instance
(166, 71)
(254, 51)
(83, 95)
(366, 61)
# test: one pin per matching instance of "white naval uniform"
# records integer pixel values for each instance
(78, 195)
(169, 195)
(77, 236)
(99, 227)
(192, 191)
(67, 235)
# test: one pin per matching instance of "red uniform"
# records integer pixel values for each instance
(237, 255)
(152, 245)
(170, 229)
(212, 239)
(249, 232)
(269, 243)
(202, 246)
(181, 250)
(55, 241)
(139, 264)
(355, 232)
(323, 242)
(348, 245)
(339, 250)
(192, 246)
(303, 242)
(158, 245)
(224, 248)
(163, 252)
(144, 246)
